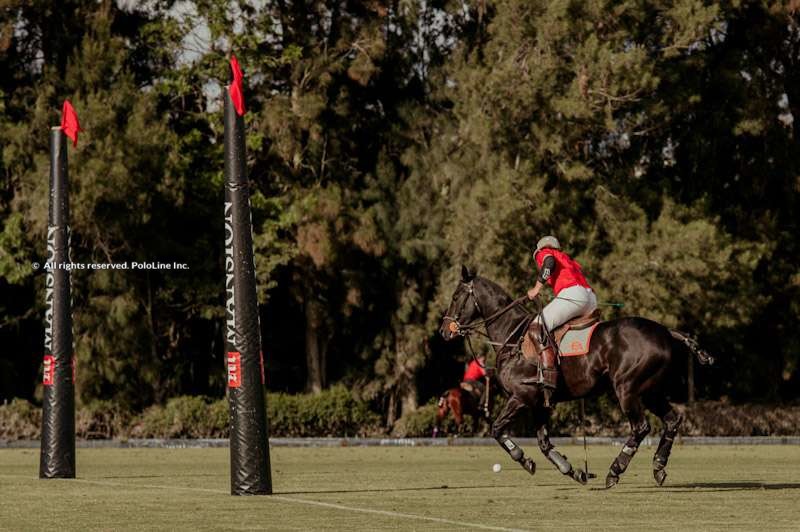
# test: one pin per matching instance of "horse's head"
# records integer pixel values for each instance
(463, 309)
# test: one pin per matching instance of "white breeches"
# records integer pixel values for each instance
(570, 303)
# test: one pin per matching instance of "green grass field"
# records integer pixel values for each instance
(393, 488)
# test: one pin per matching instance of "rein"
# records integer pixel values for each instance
(468, 329)
(464, 330)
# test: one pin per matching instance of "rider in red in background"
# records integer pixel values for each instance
(475, 371)
(471, 397)
(476, 383)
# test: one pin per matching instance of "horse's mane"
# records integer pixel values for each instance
(497, 290)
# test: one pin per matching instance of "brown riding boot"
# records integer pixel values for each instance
(549, 372)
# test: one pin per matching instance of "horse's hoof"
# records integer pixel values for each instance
(660, 475)
(611, 480)
(529, 466)
(580, 476)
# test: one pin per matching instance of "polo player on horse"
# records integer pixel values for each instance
(573, 298)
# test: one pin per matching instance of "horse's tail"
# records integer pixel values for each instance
(702, 356)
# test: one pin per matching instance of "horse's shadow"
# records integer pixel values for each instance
(745, 485)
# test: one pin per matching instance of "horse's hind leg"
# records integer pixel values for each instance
(475, 422)
(456, 407)
(559, 460)
(632, 407)
(672, 420)
(513, 406)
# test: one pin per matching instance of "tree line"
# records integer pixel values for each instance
(388, 143)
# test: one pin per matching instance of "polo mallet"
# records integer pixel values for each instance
(585, 448)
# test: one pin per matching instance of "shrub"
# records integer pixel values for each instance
(219, 418)
(337, 412)
(603, 417)
(720, 418)
(20, 420)
(101, 420)
(420, 423)
(334, 412)
(182, 417)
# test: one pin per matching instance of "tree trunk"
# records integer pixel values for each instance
(316, 345)
(391, 411)
(409, 397)
(402, 400)
(151, 325)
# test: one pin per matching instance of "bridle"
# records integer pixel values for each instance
(467, 329)
(464, 330)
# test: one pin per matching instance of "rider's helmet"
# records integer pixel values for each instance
(548, 242)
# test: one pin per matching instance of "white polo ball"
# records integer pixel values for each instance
(496, 468)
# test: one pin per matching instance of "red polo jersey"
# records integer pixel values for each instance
(474, 372)
(567, 272)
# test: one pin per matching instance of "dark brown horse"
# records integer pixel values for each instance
(461, 402)
(633, 357)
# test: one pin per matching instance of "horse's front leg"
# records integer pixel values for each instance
(512, 408)
(558, 459)
(441, 412)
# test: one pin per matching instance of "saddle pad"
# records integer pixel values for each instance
(576, 343)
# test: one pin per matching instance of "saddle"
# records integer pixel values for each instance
(530, 343)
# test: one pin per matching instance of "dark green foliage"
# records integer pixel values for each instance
(19, 420)
(102, 420)
(387, 144)
(182, 417)
(333, 412)
(420, 423)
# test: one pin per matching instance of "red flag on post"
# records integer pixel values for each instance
(237, 94)
(69, 122)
